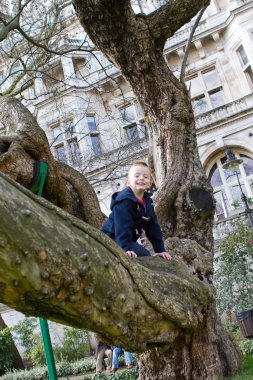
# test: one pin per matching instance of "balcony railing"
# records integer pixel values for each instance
(224, 112)
(214, 22)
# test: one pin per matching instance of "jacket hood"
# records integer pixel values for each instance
(124, 194)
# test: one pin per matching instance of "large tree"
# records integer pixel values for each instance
(79, 276)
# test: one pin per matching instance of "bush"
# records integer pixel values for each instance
(37, 354)
(130, 374)
(75, 343)
(247, 347)
(63, 369)
(233, 276)
(33, 374)
(232, 327)
(7, 356)
(24, 332)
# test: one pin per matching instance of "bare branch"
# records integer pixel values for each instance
(6, 29)
(187, 49)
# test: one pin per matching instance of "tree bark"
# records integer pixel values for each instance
(61, 268)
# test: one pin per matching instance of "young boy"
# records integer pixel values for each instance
(133, 213)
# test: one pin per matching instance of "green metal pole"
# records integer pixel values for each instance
(48, 349)
(37, 187)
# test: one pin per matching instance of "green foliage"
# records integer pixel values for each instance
(247, 347)
(24, 332)
(130, 374)
(63, 369)
(6, 349)
(36, 354)
(32, 374)
(75, 343)
(234, 274)
(30, 340)
(232, 327)
(99, 376)
(246, 370)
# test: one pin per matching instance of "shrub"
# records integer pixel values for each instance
(24, 332)
(233, 276)
(247, 347)
(130, 374)
(75, 345)
(33, 374)
(6, 349)
(37, 354)
(99, 376)
(63, 369)
(232, 327)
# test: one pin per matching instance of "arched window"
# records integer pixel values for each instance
(225, 184)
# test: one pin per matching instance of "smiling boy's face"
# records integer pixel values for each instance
(139, 179)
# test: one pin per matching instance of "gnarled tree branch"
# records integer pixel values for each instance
(168, 19)
(55, 266)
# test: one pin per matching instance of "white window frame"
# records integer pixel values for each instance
(205, 92)
(94, 133)
(137, 122)
(226, 187)
(246, 67)
(67, 138)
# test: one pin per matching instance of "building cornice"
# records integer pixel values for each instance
(207, 27)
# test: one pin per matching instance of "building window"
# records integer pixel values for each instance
(65, 145)
(206, 91)
(53, 78)
(74, 150)
(245, 64)
(61, 153)
(94, 135)
(226, 189)
(81, 67)
(132, 132)
(133, 120)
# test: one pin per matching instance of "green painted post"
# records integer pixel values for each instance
(37, 187)
(48, 349)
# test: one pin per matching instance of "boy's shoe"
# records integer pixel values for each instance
(114, 369)
(130, 366)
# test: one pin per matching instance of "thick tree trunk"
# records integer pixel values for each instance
(17, 361)
(184, 201)
(207, 354)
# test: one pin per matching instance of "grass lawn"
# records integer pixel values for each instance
(246, 370)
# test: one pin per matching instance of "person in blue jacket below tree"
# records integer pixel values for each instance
(133, 214)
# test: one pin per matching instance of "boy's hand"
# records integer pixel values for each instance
(164, 255)
(131, 254)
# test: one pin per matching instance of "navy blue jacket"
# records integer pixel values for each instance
(128, 218)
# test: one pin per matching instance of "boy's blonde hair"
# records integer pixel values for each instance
(139, 163)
